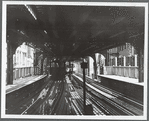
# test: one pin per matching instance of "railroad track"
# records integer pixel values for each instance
(99, 107)
(114, 93)
(23, 98)
(57, 99)
(79, 101)
(65, 105)
(129, 103)
(34, 107)
(96, 109)
(114, 101)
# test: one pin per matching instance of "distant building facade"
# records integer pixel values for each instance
(120, 61)
(124, 55)
(23, 57)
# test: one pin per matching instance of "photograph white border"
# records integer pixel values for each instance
(4, 59)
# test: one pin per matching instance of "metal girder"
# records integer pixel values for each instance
(81, 30)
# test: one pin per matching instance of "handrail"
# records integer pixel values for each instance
(25, 72)
(125, 71)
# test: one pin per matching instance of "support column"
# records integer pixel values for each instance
(88, 66)
(107, 58)
(45, 66)
(124, 60)
(95, 67)
(136, 61)
(72, 67)
(9, 63)
(140, 66)
(115, 61)
(139, 46)
(69, 70)
(42, 63)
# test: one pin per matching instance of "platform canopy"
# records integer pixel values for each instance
(65, 30)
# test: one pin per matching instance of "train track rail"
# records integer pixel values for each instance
(110, 102)
(33, 108)
(57, 99)
(23, 98)
(103, 100)
(114, 93)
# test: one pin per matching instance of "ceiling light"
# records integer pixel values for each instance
(31, 11)
(45, 31)
(22, 32)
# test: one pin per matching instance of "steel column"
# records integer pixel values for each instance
(9, 63)
(95, 66)
(140, 62)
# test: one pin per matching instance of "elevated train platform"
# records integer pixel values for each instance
(55, 96)
(131, 89)
(127, 86)
(20, 83)
(120, 98)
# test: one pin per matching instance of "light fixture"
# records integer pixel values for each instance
(45, 31)
(22, 32)
(31, 11)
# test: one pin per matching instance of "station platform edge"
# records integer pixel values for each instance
(20, 83)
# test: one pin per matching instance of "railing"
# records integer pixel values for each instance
(24, 72)
(127, 71)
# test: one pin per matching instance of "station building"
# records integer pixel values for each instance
(23, 61)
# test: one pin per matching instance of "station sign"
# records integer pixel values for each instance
(83, 65)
